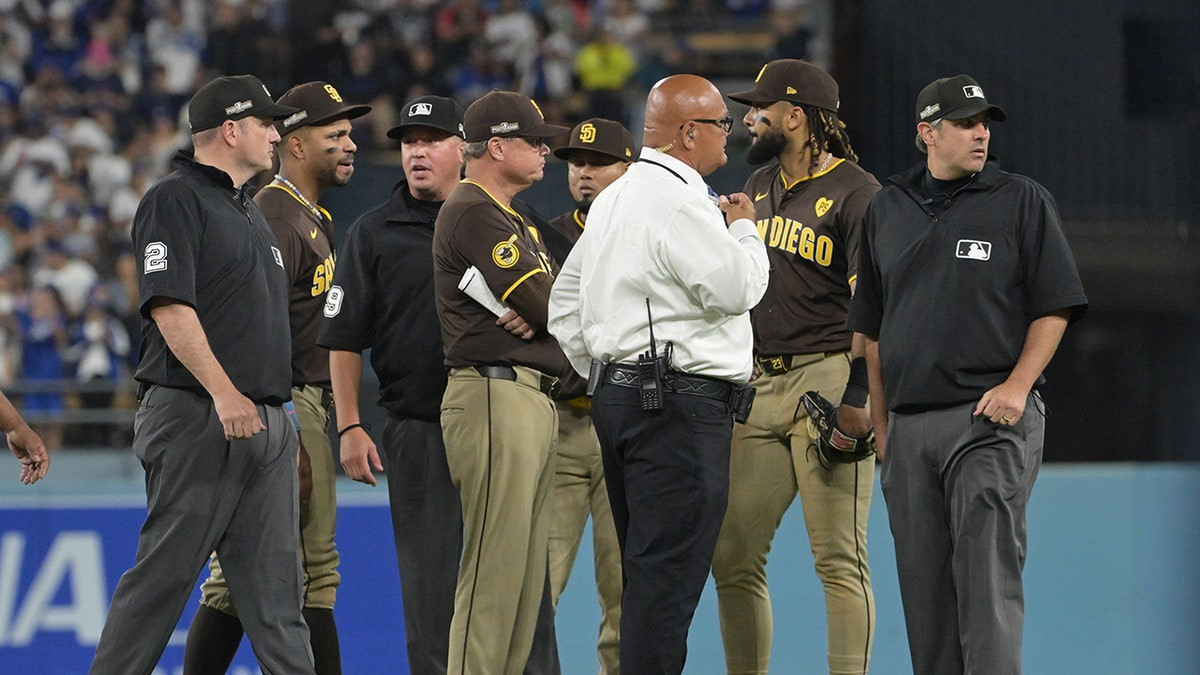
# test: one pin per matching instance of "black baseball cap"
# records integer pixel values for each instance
(317, 103)
(435, 112)
(506, 114)
(955, 98)
(232, 97)
(792, 80)
(601, 136)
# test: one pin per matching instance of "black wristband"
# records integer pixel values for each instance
(857, 388)
(356, 425)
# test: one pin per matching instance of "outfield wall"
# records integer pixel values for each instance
(1111, 581)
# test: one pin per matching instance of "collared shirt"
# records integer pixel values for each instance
(656, 233)
(474, 229)
(382, 300)
(203, 242)
(950, 287)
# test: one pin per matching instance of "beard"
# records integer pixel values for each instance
(768, 146)
(582, 205)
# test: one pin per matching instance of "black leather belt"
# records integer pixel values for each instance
(673, 381)
(546, 384)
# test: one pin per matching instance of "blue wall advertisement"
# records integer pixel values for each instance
(60, 559)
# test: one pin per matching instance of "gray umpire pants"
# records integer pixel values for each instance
(956, 488)
(427, 527)
(204, 493)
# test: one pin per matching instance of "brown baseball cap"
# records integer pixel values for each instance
(232, 97)
(506, 114)
(317, 103)
(437, 112)
(793, 80)
(601, 136)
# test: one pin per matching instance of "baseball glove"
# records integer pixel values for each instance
(834, 446)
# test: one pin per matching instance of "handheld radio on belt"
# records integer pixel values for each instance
(650, 368)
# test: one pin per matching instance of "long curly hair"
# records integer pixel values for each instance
(826, 132)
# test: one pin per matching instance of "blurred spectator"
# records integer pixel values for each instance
(479, 75)
(43, 339)
(234, 38)
(550, 77)
(57, 44)
(627, 25)
(512, 36)
(71, 278)
(459, 24)
(604, 66)
(99, 351)
(175, 42)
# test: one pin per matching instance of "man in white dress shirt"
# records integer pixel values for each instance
(658, 253)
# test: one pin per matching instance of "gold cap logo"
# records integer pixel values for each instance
(333, 93)
(587, 133)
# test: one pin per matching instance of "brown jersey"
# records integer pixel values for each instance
(474, 229)
(570, 224)
(811, 228)
(306, 242)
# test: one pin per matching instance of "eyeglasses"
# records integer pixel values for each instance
(726, 123)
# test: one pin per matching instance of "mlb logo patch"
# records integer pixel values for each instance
(973, 91)
(420, 109)
(973, 249)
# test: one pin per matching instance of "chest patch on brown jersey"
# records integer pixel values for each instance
(823, 205)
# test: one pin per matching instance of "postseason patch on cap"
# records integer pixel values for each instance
(240, 106)
(930, 110)
(295, 119)
(505, 128)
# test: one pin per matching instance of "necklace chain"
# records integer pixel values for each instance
(825, 164)
(299, 195)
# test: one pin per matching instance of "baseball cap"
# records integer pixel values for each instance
(602, 136)
(317, 103)
(232, 97)
(506, 113)
(793, 80)
(954, 98)
(435, 112)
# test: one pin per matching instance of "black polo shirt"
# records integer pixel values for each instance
(203, 242)
(950, 288)
(382, 300)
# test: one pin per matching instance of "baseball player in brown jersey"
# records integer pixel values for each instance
(809, 208)
(315, 153)
(598, 151)
(498, 420)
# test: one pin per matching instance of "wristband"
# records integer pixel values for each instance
(356, 425)
(857, 389)
(290, 409)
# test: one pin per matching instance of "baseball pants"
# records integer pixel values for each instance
(667, 474)
(774, 459)
(318, 514)
(579, 490)
(205, 493)
(956, 488)
(499, 437)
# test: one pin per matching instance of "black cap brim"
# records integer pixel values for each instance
(349, 112)
(273, 111)
(995, 112)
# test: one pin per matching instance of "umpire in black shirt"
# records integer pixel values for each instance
(218, 449)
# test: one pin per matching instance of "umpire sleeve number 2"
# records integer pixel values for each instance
(156, 257)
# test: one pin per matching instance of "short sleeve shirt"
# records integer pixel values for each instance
(811, 229)
(475, 230)
(306, 242)
(203, 242)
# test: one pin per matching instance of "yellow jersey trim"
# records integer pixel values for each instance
(518, 282)
(301, 201)
(493, 198)
(789, 186)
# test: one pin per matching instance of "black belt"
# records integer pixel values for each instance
(673, 381)
(546, 384)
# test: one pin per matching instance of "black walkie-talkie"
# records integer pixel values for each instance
(650, 371)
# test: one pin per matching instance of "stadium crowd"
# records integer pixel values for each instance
(91, 103)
